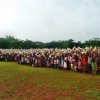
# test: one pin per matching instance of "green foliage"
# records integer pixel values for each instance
(12, 42)
(4, 43)
(93, 42)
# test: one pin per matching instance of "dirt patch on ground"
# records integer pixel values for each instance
(3, 85)
(32, 91)
(37, 93)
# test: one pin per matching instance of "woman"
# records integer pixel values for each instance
(65, 63)
(89, 66)
(84, 62)
(79, 65)
(94, 65)
(98, 62)
(72, 62)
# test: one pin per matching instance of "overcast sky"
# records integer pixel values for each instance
(47, 20)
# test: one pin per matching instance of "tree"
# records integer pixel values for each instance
(92, 42)
(4, 44)
(71, 43)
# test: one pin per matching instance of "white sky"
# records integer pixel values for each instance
(47, 20)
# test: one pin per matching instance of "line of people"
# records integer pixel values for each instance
(84, 60)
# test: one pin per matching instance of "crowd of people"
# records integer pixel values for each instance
(83, 60)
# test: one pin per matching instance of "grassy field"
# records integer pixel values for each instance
(20, 82)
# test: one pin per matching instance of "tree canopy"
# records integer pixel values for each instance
(12, 42)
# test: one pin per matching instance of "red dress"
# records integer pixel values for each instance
(84, 60)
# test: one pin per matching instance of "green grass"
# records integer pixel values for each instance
(21, 82)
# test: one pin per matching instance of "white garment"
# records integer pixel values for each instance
(62, 62)
(65, 64)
